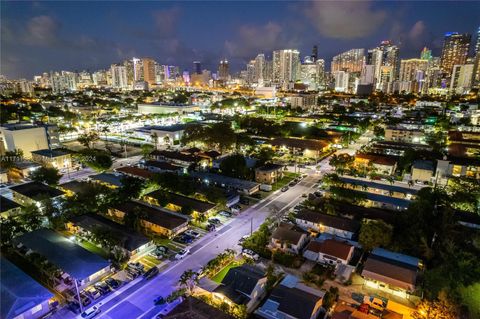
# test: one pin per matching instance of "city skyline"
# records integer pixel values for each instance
(113, 33)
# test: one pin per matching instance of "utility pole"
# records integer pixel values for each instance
(78, 295)
(251, 226)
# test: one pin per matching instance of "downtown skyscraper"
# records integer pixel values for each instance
(286, 66)
(454, 51)
(349, 61)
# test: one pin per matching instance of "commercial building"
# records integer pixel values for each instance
(22, 296)
(163, 134)
(454, 51)
(286, 66)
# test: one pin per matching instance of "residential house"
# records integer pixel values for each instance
(21, 296)
(112, 180)
(240, 185)
(162, 167)
(422, 171)
(242, 285)
(392, 272)
(69, 257)
(34, 193)
(154, 219)
(53, 158)
(135, 172)
(23, 169)
(293, 300)
(178, 158)
(126, 239)
(329, 252)
(382, 164)
(269, 173)
(309, 148)
(323, 223)
(8, 207)
(288, 239)
(180, 203)
(192, 307)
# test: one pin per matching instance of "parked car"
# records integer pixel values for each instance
(243, 238)
(224, 213)
(152, 272)
(292, 183)
(284, 188)
(74, 306)
(214, 221)
(250, 254)
(136, 265)
(93, 292)
(162, 249)
(90, 313)
(244, 201)
(304, 195)
(192, 233)
(186, 239)
(236, 209)
(182, 253)
(102, 287)
(211, 227)
(113, 283)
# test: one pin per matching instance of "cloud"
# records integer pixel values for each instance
(411, 39)
(165, 21)
(253, 39)
(345, 19)
(41, 30)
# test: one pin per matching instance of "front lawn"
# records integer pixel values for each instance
(93, 248)
(223, 272)
(287, 178)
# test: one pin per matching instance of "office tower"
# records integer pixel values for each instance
(315, 53)
(385, 61)
(341, 81)
(259, 68)
(461, 81)
(308, 74)
(223, 70)
(128, 64)
(426, 54)
(454, 51)
(412, 75)
(197, 67)
(137, 70)
(149, 71)
(119, 76)
(250, 75)
(350, 61)
(286, 66)
(320, 64)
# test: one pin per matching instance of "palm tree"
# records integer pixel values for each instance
(188, 281)
(154, 137)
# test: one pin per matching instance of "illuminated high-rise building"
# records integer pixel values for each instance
(286, 66)
(149, 71)
(137, 70)
(119, 76)
(412, 75)
(350, 61)
(462, 76)
(259, 68)
(223, 70)
(385, 62)
(454, 51)
(315, 53)
(197, 67)
(426, 54)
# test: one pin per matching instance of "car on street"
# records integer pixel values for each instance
(152, 272)
(243, 238)
(304, 195)
(181, 254)
(248, 253)
(292, 183)
(284, 188)
(90, 313)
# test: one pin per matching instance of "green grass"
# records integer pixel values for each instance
(471, 298)
(287, 178)
(223, 272)
(94, 249)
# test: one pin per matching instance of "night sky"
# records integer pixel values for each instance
(43, 36)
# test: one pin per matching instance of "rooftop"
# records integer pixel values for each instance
(135, 171)
(37, 190)
(108, 178)
(50, 153)
(299, 143)
(377, 185)
(270, 167)
(225, 181)
(183, 201)
(166, 166)
(19, 292)
(330, 220)
(286, 233)
(157, 216)
(377, 159)
(193, 308)
(127, 238)
(7, 204)
(66, 255)
(331, 247)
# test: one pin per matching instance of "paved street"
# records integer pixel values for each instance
(136, 299)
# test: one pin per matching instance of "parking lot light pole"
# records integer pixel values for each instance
(78, 295)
